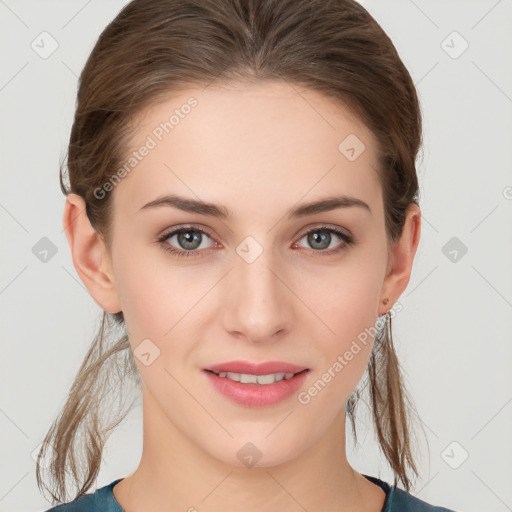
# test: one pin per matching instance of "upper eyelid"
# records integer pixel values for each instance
(173, 231)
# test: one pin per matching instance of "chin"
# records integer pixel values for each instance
(256, 451)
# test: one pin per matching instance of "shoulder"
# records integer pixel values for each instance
(82, 504)
(398, 500)
(101, 500)
(404, 502)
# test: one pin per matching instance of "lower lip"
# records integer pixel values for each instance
(257, 395)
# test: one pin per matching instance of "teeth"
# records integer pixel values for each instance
(246, 378)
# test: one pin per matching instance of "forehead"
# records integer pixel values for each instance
(255, 143)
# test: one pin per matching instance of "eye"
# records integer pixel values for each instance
(320, 238)
(188, 241)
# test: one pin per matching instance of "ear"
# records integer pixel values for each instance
(401, 258)
(90, 255)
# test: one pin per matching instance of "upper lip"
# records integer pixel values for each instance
(251, 368)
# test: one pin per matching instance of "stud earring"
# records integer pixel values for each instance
(383, 319)
(386, 302)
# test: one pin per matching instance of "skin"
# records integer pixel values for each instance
(258, 149)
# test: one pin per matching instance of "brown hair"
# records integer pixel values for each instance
(154, 47)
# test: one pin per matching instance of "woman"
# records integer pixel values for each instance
(243, 203)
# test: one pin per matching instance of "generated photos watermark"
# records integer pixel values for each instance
(151, 142)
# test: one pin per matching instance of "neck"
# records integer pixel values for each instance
(175, 473)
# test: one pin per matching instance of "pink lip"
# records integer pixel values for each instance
(256, 395)
(256, 368)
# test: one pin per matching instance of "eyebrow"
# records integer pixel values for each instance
(222, 212)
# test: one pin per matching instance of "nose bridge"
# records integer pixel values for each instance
(260, 306)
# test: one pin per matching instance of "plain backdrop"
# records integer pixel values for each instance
(454, 333)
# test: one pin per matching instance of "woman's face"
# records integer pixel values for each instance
(249, 285)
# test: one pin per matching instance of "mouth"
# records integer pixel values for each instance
(256, 385)
(264, 379)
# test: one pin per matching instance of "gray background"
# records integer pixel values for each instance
(453, 335)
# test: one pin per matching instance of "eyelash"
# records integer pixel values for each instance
(347, 241)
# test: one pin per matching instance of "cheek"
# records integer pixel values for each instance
(150, 296)
(345, 300)
(345, 312)
(143, 303)
(159, 301)
(343, 361)
(150, 288)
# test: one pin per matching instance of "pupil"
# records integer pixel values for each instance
(187, 239)
(321, 238)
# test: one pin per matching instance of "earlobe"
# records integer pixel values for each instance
(91, 258)
(402, 256)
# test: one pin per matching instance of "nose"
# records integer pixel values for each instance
(258, 302)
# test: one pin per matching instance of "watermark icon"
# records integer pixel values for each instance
(351, 147)
(342, 360)
(507, 192)
(249, 249)
(146, 352)
(454, 45)
(44, 45)
(454, 249)
(454, 455)
(151, 142)
(249, 454)
(46, 459)
(44, 250)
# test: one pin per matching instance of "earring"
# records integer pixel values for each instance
(383, 319)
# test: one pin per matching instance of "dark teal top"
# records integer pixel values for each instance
(103, 500)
